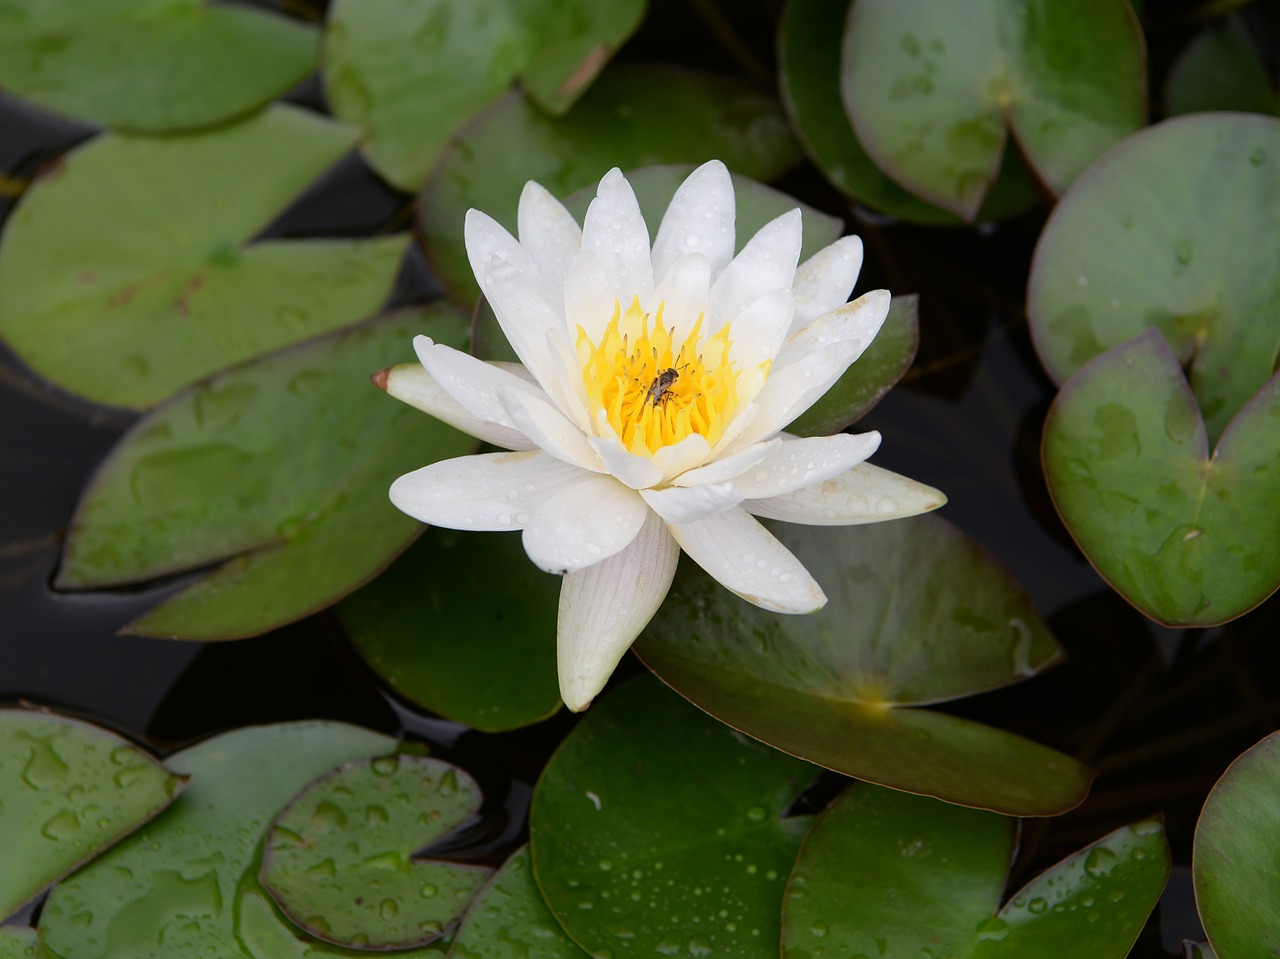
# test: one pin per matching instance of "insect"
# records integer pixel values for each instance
(660, 388)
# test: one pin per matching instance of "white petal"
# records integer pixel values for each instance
(685, 293)
(473, 383)
(700, 219)
(491, 491)
(583, 523)
(746, 559)
(615, 231)
(677, 504)
(485, 237)
(638, 472)
(864, 494)
(825, 280)
(678, 458)
(760, 330)
(411, 383)
(589, 300)
(805, 461)
(525, 318)
(766, 263)
(856, 322)
(537, 418)
(604, 607)
(548, 231)
(727, 467)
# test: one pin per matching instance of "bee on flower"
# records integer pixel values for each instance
(648, 412)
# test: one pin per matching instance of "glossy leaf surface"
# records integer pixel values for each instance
(1221, 69)
(126, 272)
(18, 943)
(1187, 536)
(280, 466)
(656, 829)
(917, 613)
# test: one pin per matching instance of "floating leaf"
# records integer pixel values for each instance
(1221, 69)
(615, 124)
(125, 274)
(165, 65)
(490, 661)
(917, 614)
(18, 943)
(898, 876)
(280, 466)
(1187, 536)
(1175, 228)
(176, 882)
(934, 87)
(68, 790)
(409, 72)
(656, 829)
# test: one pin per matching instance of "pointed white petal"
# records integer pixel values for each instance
(766, 263)
(739, 425)
(678, 504)
(856, 322)
(537, 418)
(473, 383)
(678, 458)
(583, 523)
(761, 328)
(685, 293)
(524, 316)
(727, 467)
(485, 237)
(700, 219)
(490, 491)
(825, 280)
(615, 231)
(411, 383)
(548, 231)
(864, 494)
(638, 472)
(805, 461)
(588, 298)
(745, 558)
(604, 607)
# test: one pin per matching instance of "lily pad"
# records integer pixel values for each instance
(1188, 536)
(809, 71)
(934, 88)
(490, 159)
(68, 790)
(490, 661)
(509, 919)
(1175, 228)
(893, 875)
(1221, 69)
(410, 72)
(338, 859)
(917, 614)
(656, 829)
(126, 272)
(18, 943)
(170, 889)
(279, 466)
(158, 66)
(1237, 849)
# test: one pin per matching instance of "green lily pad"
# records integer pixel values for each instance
(934, 88)
(162, 65)
(410, 72)
(169, 890)
(1176, 229)
(917, 614)
(509, 919)
(614, 124)
(1237, 849)
(656, 829)
(898, 876)
(281, 467)
(125, 274)
(1187, 536)
(1221, 69)
(809, 49)
(68, 790)
(490, 663)
(18, 943)
(337, 859)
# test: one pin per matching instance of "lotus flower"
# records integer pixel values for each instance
(648, 411)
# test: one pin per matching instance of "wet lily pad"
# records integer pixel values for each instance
(1176, 229)
(175, 882)
(410, 73)
(1188, 536)
(490, 159)
(126, 271)
(1221, 69)
(917, 613)
(655, 829)
(18, 943)
(158, 66)
(894, 875)
(1237, 848)
(338, 860)
(934, 89)
(489, 663)
(509, 919)
(68, 790)
(281, 467)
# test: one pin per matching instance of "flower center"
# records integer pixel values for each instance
(654, 391)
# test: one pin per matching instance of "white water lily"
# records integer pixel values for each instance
(647, 413)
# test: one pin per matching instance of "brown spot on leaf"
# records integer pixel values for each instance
(585, 70)
(183, 303)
